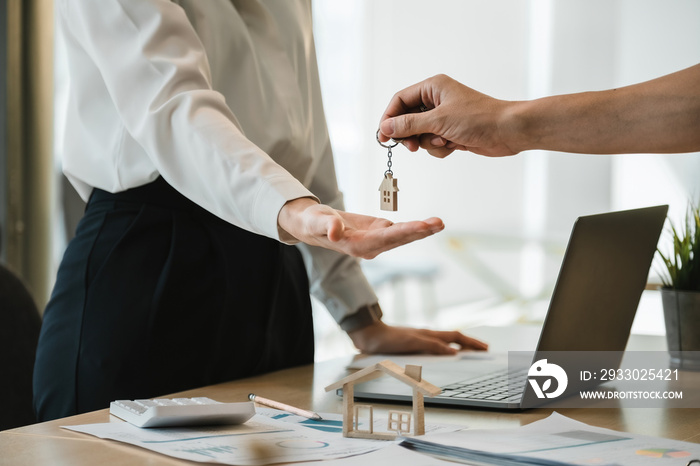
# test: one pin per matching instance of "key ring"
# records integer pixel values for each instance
(389, 154)
(387, 146)
(388, 189)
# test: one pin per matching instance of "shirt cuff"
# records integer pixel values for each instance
(363, 317)
(270, 200)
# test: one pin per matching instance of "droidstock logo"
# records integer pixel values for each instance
(544, 370)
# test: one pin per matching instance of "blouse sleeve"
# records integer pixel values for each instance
(156, 72)
(336, 279)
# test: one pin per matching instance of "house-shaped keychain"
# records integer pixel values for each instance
(389, 198)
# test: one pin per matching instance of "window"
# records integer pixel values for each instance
(505, 209)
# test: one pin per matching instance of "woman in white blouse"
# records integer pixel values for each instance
(195, 130)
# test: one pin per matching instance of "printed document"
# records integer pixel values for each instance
(555, 441)
(271, 436)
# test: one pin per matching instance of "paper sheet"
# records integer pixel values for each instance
(425, 360)
(558, 439)
(390, 455)
(271, 436)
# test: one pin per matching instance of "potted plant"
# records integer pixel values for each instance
(680, 293)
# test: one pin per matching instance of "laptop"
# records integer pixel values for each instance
(600, 282)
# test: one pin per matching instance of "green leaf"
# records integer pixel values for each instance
(679, 268)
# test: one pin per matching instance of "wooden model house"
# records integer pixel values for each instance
(399, 422)
(389, 198)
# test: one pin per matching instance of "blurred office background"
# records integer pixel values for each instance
(507, 219)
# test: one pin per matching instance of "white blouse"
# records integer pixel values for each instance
(219, 97)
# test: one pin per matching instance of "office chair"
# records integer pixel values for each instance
(19, 333)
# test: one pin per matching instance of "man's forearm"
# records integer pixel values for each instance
(660, 116)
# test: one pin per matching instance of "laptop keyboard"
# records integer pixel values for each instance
(501, 385)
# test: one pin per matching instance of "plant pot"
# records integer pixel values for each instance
(682, 318)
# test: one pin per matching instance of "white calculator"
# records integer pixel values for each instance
(172, 412)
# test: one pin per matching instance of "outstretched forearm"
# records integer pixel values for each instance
(657, 116)
(442, 115)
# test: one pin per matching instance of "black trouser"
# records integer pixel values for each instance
(156, 295)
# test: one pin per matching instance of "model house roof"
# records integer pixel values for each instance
(389, 183)
(411, 376)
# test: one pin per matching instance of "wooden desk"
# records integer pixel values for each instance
(46, 443)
